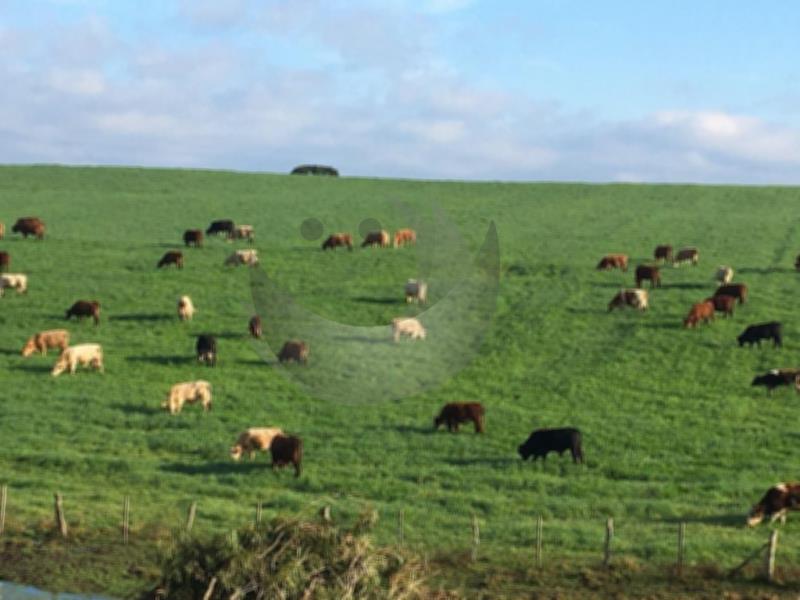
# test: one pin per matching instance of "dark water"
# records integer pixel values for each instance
(12, 591)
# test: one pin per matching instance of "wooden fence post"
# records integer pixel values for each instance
(769, 566)
(3, 499)
(476, 537)
(126, 518)
(61, 522)
(609, 537)
(681, 546)
(539, 541)
(258, 513)
(190, 518)
(400, 527)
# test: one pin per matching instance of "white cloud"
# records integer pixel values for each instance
(77, 81)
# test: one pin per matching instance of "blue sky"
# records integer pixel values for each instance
(442, 89)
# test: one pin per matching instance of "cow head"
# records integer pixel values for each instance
(523, 451)
(59, 368)
(756, 515)
(29, 348)
(236, 452)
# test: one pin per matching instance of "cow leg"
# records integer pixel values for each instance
(297, 469)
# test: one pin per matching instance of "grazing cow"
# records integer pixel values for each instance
(776, 378)
(243, 232)
(315, 170)
(779, 499)
(5, 261)
(287, 450)
(193, 237)
(206, 348)
(404, 236)
(225, 226)
(686, 255)
(455, 413)
(338, 239)
(613, 261)
(663, 253)
(242, 257)
(188, 392)
(82, 354)
(416, 291)
(255, 326)
(724, 304)
(173, 257)
(185, 308)
(702, 311)
(763, 331)
(407, 326)
(29, 226)
(44, 340)
(542, 441)
(737, 290)
(85, 308)
(18, 281)
(294, 350)
(376, 238)
(2, 230)
(254, 439)
(724, 275)
(648, 272)
(630, 297)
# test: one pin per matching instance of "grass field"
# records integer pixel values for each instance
(672, 429)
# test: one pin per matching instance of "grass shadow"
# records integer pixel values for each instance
(228, 335)
(487, 462)
(691, 286)
(376, 300)
(362, 339)
(416, 429)
(616, 286)
(766, 271)
(217, 468)
(33, 368)
(8, 352)
(139, 409)
(162, 359)
(664, 324)
(142, 317)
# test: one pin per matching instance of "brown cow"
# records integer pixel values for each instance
(702, 311)
(455, 413)
(44, 340)
(630, 297)
(287, 450)
(5, 261)
(338, 239)
(663, 253)
(29, 226)
(294, 350)
(648, 272)
(723, 304)
(85, 308)
(193, 237)
(255, 326)
(613, 261)
(2, 230)
(173, 257)
(404, 236)
(778, 500)
(687, 255)
(737, 290)
(376, 238)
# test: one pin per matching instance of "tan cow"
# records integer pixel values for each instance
(82, 354)
(242, 257)
(724, 275)
(17, 281)
(44, 340)
(2, 230)
(243, 232)
(185, 308)
(253, 440)
(407, 326)
(188, 392)
(416, 291)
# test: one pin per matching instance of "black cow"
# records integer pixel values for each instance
(225, 226)
(776, 378)
(763, 331)
(207, 349)
(542, 441)
(315, 170)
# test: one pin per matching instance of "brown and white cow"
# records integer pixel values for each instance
(663, 252)
(376, 238)
(242, 257)
(44, 340)
(185, 308)
(254, 326)
(188, 392)
(648, 272)
(690, 255)
(83, 354)
(404, 236)
(243, 232)
(702, 311)
(613, 261)
(253, 440)
(17, 281)
(335, 240)
(632, 297)
(779, 499)
(724, 275)
(416, 291)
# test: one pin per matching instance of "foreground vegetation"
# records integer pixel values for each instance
(672, 429)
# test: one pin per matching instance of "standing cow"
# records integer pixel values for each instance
(724, 275)
(663, 252)
(254, 325)
(404, 236)
(416, 291)
(287, 450)
(690, 255)
(724, 304)
(225, 226)
(702, 311)
(737, 290)
(185, 308)
(193, 237)
(294, 351)
(206, 349)
(648, 272)
(763, 331)
(543, 441)
(455, 413)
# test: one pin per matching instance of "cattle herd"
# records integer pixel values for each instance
(288, 449)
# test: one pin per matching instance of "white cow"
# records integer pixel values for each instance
(13, 280)
(724, 275)
(407, 326)
(82, 354)
(188, 392)
(242, 257)
(416, 291)
(185, 308)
